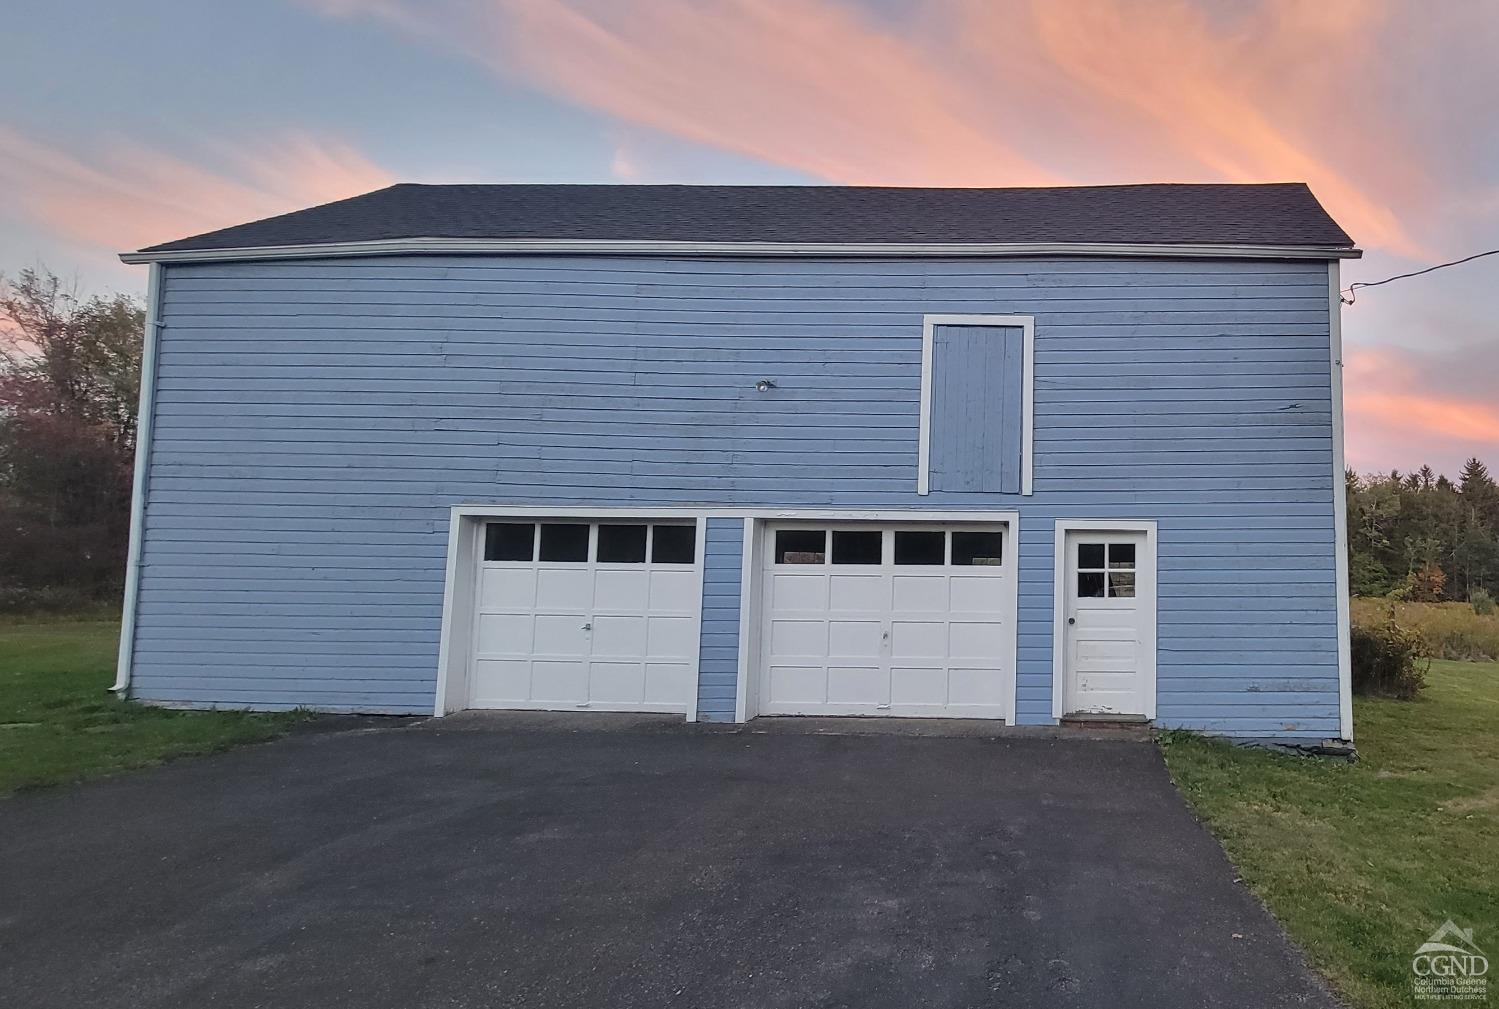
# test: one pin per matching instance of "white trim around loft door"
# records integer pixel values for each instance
(1340, 504)
(1027, 325)
(1059, 607)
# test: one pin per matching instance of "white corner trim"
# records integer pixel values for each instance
(144, 417)
(1059, 607)
(697, 619)
(1340, 504)
(1027, 326)
(450, 603)
(631, 247)
(747, 618)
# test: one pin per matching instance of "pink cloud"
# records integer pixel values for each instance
(1397, 406)
(130, 195)
(968, 92)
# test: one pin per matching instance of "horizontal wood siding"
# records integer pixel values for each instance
(718, 662)
(315, 420)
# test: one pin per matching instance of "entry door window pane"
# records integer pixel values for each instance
(1090, 555)
(509, 541)
(1090, 585)
(1122, 584)
(621, 544)
(1121, 555)
(801, 546)
(912, 547)
(564, 541)
(673, 544)
(978, 549)
(862, 547)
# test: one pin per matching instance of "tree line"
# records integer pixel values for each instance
(69, 385)
(1422, 536)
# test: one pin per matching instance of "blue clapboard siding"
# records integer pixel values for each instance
(316, 420)
(977, 408)
(718, 661)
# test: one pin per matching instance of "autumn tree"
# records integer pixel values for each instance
(69, 384)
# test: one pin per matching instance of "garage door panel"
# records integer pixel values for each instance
(910, 639)
(618, 635)
(798, 637)
(848, 684)
(920, 593)
(855, 638)
(667, 682)
(976, 640)
(976, 687)
(799, 592)
(844, 635)
(559, 681)
(793, 685)
(916, 685)
(673, 590)
(620, 590)
(616, 682)
(504, 633)
(858, 593)
(566, 589)
(978, 595)
(559, 634)
(498, 681)
(673, 636)
(508, 588)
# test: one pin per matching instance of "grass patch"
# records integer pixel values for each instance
(1451, 630)
(59, 723)
(1362, 862)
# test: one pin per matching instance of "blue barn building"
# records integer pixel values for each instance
(733, 451)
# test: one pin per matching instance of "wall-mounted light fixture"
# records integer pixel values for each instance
(764, 385)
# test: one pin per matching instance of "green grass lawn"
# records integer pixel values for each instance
(1362, 862)
(58, 721)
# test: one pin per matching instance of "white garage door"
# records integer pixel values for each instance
(890, 620)
(594, 615)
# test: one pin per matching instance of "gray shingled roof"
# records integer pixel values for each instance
(1228, 214)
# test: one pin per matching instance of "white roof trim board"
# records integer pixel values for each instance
(596, 247)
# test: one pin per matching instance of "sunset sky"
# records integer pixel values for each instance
(128, 124)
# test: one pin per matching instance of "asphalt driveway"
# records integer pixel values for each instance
(509, 862)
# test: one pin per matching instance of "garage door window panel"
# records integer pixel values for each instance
(510, 541)
(564, 542)
(801, 546)
(673, 544)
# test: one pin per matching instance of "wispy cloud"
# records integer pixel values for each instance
(127, 195)
(970, 92)
(1401, 404)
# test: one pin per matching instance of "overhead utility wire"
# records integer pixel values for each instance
(1346, 295)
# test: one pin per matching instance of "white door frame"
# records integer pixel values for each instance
(752, 587)
(462, 579)
(1148, 576)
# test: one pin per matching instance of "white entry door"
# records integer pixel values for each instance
(591, 615)
(897, 620)
(1108, 647)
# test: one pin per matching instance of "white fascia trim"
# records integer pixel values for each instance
(1340, 504)
(1059, 608)
(1027, 324)
(143, 425)
(603, 247)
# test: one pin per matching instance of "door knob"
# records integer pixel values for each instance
(588, 627)
(1072, 620)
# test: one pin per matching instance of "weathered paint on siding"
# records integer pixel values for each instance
(315, 421)
(977, 408)
(718, 661)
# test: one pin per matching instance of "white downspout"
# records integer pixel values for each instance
(143, 425)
